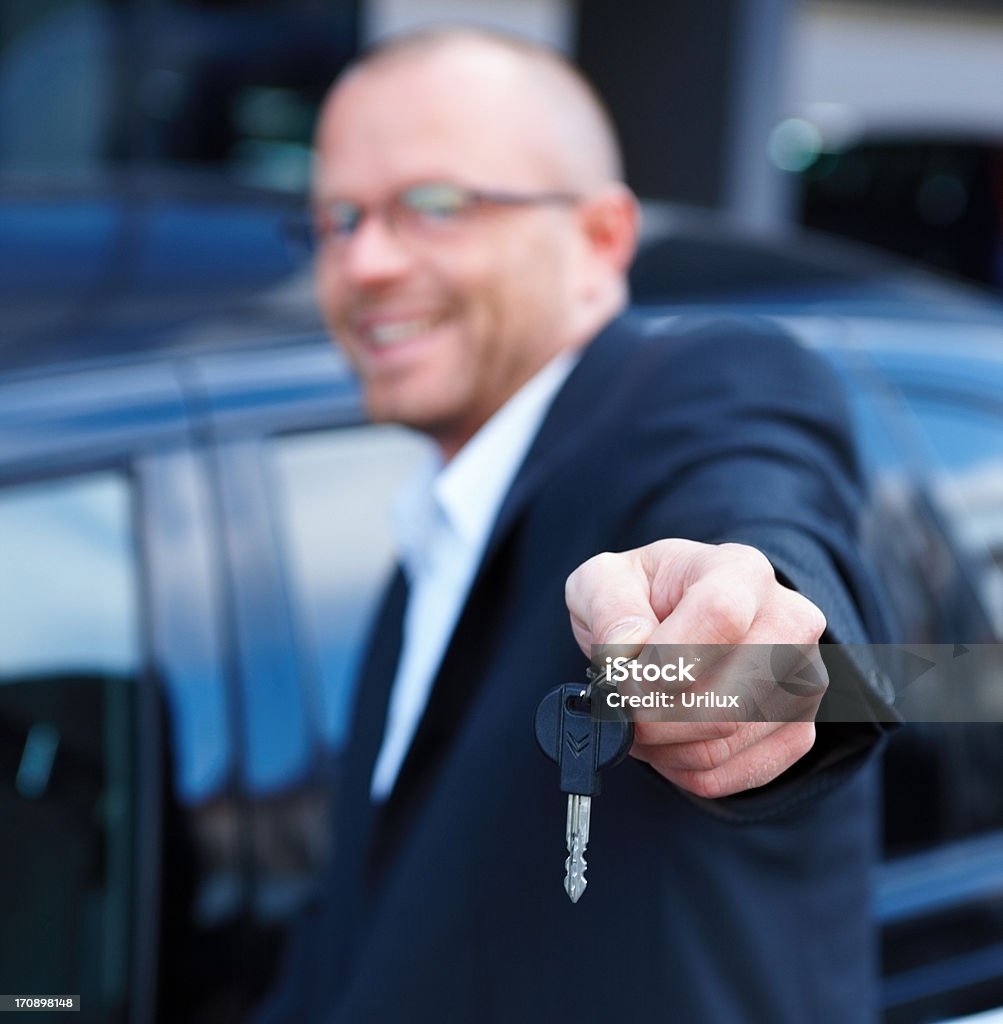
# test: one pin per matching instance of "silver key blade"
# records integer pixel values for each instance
(574, 871)
(579, 810)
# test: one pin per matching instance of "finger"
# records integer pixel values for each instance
(750, 768)
(724, 589)
(621, 598)
(789, 618)
(757, 682)
(609, 598)
(650, 733)
(706, 747)
(776, 673)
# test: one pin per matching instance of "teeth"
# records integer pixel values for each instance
(395, 333)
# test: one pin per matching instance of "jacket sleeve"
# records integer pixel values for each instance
(764, 456)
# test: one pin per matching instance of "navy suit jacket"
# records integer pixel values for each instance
(447, 903)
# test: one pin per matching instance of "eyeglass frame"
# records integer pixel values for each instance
(304, 232)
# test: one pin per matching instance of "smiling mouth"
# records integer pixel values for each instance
(386, 335)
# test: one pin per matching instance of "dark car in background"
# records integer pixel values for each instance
(932, 196)
(192, 537)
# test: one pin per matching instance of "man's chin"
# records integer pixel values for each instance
(392, 409)
(446, 432)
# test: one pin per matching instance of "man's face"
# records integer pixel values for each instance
(443, 325)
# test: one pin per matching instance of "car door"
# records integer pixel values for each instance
(98, 487)
(932, 424)
(303, 487)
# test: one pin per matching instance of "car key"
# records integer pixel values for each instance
(582, 745)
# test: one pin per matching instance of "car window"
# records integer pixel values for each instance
(930, 430)
(943, 541)
(70, 629)
(334, 492)
(68, 602)
(966, 442)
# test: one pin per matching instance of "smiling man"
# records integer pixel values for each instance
(471, 232)
(474, 235)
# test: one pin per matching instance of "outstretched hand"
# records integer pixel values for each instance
(687, 593)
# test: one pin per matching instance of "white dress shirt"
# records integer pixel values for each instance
(442, 520)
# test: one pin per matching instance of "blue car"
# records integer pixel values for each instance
(192, 538)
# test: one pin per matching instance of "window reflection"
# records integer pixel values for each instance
(68, 599)
(334, 492)
(69, 662)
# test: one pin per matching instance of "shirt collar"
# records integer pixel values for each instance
(414, 513)
(465, 494)
(470, 488)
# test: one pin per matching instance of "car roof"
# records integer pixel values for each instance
(144, 266)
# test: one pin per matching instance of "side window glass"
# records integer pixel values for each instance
(967, 444)
(941, 777)
(334, 492)
(933, 446)
(899, 540)
(69, 659)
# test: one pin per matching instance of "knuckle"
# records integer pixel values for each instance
(724, 615)
(750, 558)
(704, 755)
(701, 755)
(710, 785)
(800, 739)
(807, 623)
(819, 623)
(668, 546)
(709, 754)
(721, 730)
(589, 571)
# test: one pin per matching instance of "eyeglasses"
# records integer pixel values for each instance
(425, 211)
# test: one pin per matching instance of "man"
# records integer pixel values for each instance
(474, 238)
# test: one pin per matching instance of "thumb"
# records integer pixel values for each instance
(609, 599)
(629, 631)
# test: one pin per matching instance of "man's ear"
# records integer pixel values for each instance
(611, 219)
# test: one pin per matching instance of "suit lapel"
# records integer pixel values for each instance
(356, 815)
(458, 677)
(578, 401)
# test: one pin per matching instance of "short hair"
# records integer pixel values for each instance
(579, 111)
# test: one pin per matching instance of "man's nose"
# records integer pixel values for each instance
(374, 253)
